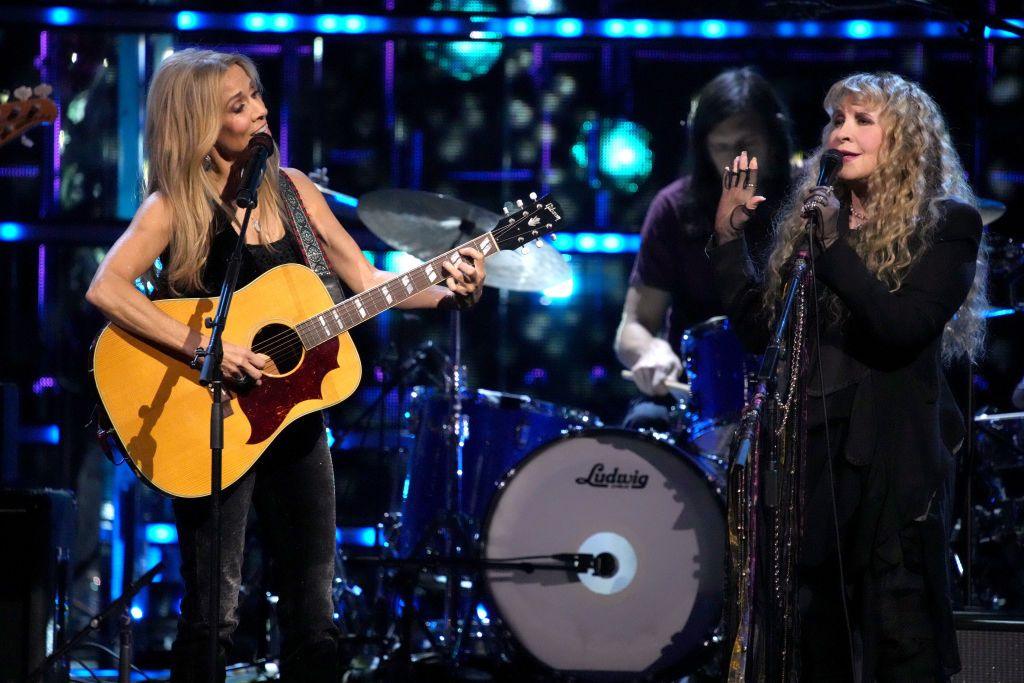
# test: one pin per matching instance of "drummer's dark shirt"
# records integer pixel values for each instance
(672, 258)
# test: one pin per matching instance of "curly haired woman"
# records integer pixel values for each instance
(900, 283)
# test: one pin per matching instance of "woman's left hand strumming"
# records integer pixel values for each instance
(466, 278)
(821, 200)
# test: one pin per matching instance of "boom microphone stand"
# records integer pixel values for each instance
(212, 377)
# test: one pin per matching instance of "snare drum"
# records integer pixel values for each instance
(657, 510)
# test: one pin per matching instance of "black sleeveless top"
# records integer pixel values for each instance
(256, 258)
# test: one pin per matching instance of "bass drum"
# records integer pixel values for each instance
(657, 510)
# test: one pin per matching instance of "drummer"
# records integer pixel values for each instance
(738, 110)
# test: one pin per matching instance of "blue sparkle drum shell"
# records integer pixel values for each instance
(498, 430)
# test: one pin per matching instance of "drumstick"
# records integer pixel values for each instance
(678, 389)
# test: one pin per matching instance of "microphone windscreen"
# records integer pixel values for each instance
(828, 169)
(262, 140)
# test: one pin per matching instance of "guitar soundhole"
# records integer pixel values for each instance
(282, 344)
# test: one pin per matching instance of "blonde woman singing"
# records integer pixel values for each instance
(202, 110)
(900, 287)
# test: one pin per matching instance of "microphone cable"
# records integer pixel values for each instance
(828, 451)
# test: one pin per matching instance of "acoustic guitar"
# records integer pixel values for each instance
(161, 413)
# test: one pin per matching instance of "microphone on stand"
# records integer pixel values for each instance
(828, 170)
(261, 146)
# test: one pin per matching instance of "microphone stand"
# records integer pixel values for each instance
(745, 483)
(212, 377)
(119, 606)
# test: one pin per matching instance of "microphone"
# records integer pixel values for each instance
(828, 168)
(261, 146)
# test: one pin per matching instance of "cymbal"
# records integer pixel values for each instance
(426, 224)
(991, 210)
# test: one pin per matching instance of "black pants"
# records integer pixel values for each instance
(292, 487)
(894, 609)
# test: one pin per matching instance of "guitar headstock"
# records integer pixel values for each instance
(29, 108)
(525, 221)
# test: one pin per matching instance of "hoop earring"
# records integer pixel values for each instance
(207, 162)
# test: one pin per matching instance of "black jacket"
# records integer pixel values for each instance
(903, 419)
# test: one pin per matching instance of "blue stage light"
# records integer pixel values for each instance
(11, 232)
(328, 23)
(137, 612)
(61, 16)
(935, 29)
(810, 29)
(642, 28)
(785, 29)
(363, 536)
(254, 21)
(521, 26)
(282, 23)
(353, 24)
(713, 28)
(161, 533)
(586, 242)
(569, 28)
(859, 29)
(46, 434)
(616, 28)
(187, 21)
(612, 243)
(330, 437)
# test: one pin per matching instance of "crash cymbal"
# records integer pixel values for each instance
(991, 210)
(426, 224)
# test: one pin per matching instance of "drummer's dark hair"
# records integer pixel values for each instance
(734, 92)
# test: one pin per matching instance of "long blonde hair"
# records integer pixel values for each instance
(917, 169)
(183, 120)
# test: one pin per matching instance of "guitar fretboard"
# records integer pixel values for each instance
(363, 306)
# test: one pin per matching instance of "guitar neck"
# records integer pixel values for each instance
(361, 307)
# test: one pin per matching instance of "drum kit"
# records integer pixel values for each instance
(529, 535)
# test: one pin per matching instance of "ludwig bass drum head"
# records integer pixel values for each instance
(645, 503)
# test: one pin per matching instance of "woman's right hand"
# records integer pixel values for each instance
(240, 363)
(738, 201)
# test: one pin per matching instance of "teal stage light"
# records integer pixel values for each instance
(625, 157)
(463, 59)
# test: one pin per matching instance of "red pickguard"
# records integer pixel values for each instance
(267, 405)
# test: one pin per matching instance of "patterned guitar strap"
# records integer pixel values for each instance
(312, 250)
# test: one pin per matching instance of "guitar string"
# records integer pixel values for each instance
(285, 339)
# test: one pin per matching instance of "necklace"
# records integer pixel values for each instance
(857, 214)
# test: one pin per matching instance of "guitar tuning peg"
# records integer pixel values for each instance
(519, 203)
(509, 206)
(23, 93)
(26, 142)
(533, 196)
(42, 90)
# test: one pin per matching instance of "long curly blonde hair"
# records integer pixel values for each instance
(917, 169)
(183, 120)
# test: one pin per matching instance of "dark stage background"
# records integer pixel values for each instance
(593, 116)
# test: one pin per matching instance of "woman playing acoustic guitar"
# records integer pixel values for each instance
(202, 110)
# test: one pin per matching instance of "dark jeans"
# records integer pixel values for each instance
(292, 487)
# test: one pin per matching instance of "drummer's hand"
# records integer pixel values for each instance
(657, 364)
(738, 201)
(466, 278)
